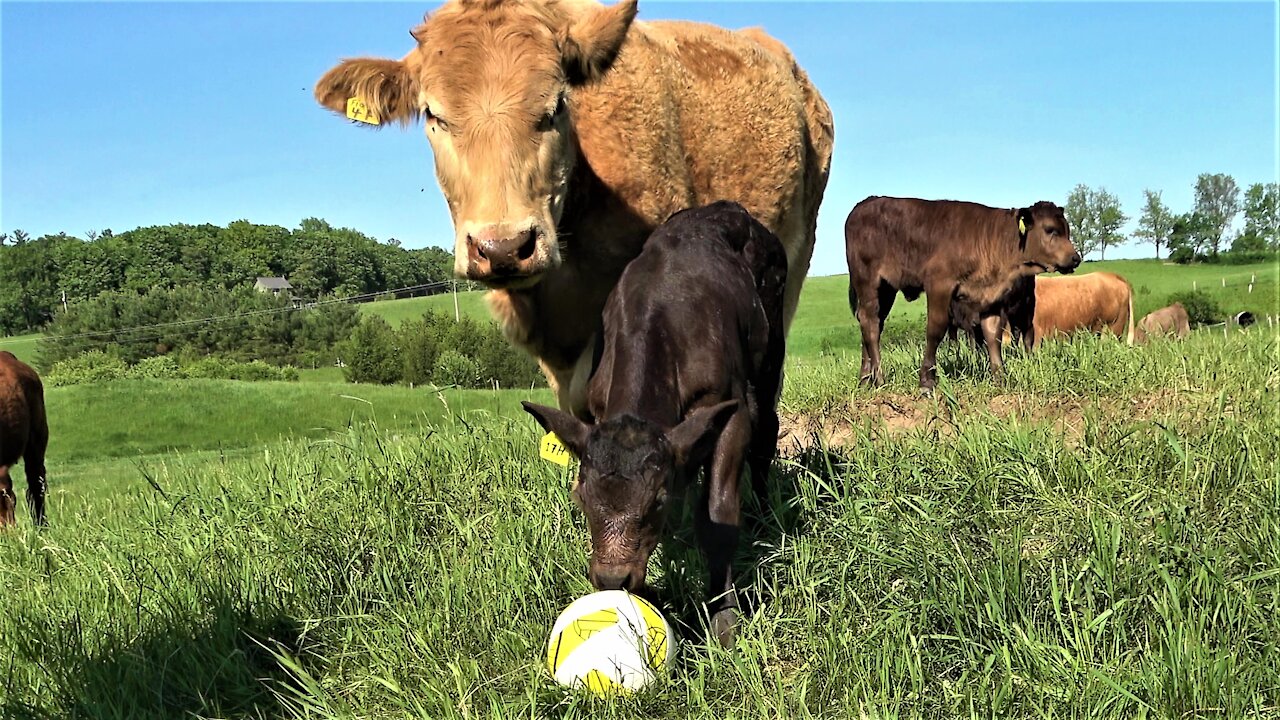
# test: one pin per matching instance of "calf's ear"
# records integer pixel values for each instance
(695, 437)
(571, 431)
(1025, 221)
(387, 87)
(591, 43)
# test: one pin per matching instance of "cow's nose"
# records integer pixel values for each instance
(502, 255)
(1076, 259)
(612, 579)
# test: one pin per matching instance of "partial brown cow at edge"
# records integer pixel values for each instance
(964, 256)
(1171, 321)
(565, 131)
(24, 433)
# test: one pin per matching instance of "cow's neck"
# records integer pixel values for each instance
(991, 281)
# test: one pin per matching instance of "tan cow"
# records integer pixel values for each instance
(1097, 302)
(565, 131)
(1170, 320)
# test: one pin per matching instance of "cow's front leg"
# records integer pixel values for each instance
(718, 523)
(939, 318)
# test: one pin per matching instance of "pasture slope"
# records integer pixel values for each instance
(1098, 537)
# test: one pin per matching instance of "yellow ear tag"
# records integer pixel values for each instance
(358, 111)
(552, 450)
(1022, 226)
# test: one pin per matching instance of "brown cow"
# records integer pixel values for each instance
(1096, 302)
(965, 257)
(564, 132)
(24, 433)
(689, 378)
(1171, 320)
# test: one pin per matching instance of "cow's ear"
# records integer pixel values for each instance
(591, 42)
(695, 437)
(388, 88)
(1025, 221)
(571, 431)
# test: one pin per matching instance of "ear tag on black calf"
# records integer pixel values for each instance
(552, 450)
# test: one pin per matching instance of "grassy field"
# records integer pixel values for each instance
(1097, 537)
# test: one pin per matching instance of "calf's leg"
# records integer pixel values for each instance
(992, 332)
(7, 498)
(866, 305)
(718, 522)
(939, 317)
(36, 474)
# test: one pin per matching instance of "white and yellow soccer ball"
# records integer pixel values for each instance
(610, 642)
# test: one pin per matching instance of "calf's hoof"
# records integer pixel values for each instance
(724, 625)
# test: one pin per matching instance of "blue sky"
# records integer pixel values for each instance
(125, 114)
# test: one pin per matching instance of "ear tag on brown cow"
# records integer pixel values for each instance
(1022, 226)
(357, 110)
(552, 450)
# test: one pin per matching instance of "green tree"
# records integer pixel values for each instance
(372, 355)
(1189, 237)
(1218, 202)
(1095, 218)
(1261, 218)
(1156, 224)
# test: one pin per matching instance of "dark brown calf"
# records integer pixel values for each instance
(688, 378)
(957, 253)
(24, 433)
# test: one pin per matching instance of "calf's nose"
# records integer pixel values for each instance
(612, 579)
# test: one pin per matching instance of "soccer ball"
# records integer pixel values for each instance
(610, 642)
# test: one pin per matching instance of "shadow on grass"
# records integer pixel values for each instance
(766, 523)
(217, 666)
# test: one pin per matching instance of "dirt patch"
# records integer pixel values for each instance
(895, 413)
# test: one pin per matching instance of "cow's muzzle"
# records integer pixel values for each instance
(1072, 264)
(503, 259)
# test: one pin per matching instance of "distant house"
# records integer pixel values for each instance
(273, 285)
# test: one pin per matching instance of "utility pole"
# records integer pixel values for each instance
(456, 317)
(64, 301)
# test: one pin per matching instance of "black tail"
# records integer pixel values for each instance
(853, 299)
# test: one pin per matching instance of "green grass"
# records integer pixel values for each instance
(1097, 537)
(397, 311)
(25, 347)
(104, 438)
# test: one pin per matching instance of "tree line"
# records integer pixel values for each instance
(192, 322)
(40, 276)
(1200, 233)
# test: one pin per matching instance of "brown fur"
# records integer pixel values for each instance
(1096, 302)
(660, 116)
(964, 256)
(1171, 320)
(24, 433)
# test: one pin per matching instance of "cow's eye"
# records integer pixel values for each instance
(548, 121)
(435, 121)
(1052, 231)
